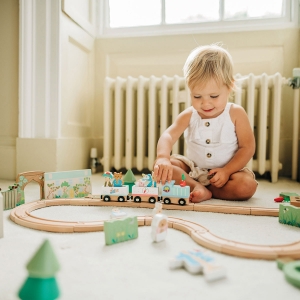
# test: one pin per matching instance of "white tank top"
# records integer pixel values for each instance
(211, 143)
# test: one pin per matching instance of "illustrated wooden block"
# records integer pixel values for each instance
(120, 230)
(289, 215)
(295, 200)
(197, 261)
(67, 184)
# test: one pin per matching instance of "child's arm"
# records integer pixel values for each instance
(246, 147)
(163, 169)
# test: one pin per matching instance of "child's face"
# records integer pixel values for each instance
(210, 99)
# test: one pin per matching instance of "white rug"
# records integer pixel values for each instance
(139, 269)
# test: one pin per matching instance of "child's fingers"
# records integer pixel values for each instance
(166, 174)
(156, 171)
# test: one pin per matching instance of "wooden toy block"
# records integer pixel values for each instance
(295, 201)
(120, 230)
(289, 215)
(286, 196)
(197, 261)
(159, 227)
(67, 184)
(1, 215)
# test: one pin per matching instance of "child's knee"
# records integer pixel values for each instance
(180, 164)
(246, 188)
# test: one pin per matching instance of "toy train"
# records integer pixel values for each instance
(168, 193)
(145, 190)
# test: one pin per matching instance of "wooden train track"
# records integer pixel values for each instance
(201, 235)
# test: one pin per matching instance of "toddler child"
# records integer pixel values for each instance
(219, 138)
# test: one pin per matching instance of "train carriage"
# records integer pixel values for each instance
(143, 193)
(175, 194)
(115, 193)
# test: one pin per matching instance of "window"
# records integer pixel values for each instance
(145, 17)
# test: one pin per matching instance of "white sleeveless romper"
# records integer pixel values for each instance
(211, 143)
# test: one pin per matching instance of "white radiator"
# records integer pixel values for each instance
(138, 110)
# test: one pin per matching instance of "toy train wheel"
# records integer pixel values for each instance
(106, 198)
(152, 200)
(121, 198)
(181, 201)
(167, 201)
(137, 199)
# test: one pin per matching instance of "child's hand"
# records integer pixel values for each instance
(219, 178)
(163, 170)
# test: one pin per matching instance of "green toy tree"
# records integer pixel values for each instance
(41, 283)
(129, 180)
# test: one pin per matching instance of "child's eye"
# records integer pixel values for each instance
(197, 97)
(214, 96)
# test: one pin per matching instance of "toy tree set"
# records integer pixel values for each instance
(41, 283)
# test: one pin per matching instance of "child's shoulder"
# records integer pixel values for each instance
(237, 112)
(236, 108)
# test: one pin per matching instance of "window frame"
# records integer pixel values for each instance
(289, 20)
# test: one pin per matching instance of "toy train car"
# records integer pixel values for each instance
(168, 193)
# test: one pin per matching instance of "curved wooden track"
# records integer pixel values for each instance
(201, 235)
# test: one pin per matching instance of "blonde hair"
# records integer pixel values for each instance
(207, 62)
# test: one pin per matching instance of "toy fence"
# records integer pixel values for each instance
(138, 110)
(11, 199)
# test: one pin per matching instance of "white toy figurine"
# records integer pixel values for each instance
(159, 227)
(157, 208)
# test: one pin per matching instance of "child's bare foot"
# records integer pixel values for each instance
(200, 193)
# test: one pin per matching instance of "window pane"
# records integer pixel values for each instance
(246, 9)
(127, 13)
(191, 11)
